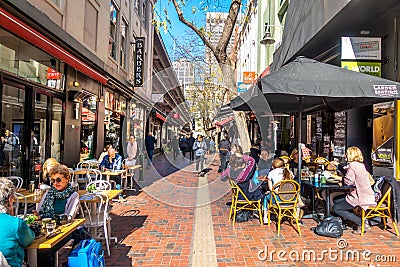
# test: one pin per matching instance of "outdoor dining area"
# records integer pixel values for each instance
(85, 192)
(317, 96)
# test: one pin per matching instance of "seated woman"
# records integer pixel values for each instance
(241, 170)
(362, 195)
(15, 234)
(61, 198)
(265, 163)
(294, 160)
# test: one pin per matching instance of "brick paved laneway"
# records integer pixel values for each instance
(161, 226)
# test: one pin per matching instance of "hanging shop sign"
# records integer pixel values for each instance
(371, 68)
(176, 115)
(309, 133)
(139, 60)
(365, 48)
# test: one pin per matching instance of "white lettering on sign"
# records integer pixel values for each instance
(139, 50)
(386, 90)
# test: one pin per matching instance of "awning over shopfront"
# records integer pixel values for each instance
(21, 29)
(225, 121)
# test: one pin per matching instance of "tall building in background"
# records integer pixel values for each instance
(185, 73)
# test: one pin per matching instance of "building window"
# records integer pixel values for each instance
(113, 31)
(90, 26)
(137, 5)
(57, 2)
(122, 55)
(144, 12)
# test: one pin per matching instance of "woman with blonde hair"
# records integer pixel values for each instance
(362, 195)
(47, 165)
(16, 234)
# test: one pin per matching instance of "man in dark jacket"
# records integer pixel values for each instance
(149, 143)
(191, 141)
(224, 148)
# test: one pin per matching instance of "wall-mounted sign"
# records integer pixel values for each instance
(249, 77)
(309, 129)
(368, 48)
(242, 87)
(371, 68)
(139, 61)
(176, 115)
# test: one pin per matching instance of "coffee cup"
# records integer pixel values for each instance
(61, 219)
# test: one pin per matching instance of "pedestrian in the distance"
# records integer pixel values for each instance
(183, 145)
(199, 148)
(224, 148)
(131, 150)
(149, 142)
(191, 141)
(175, 146)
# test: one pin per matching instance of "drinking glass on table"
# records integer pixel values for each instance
(51, 227)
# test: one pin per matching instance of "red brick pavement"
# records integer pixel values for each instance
(152, 232)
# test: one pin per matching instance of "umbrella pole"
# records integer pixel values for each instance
(299, 140)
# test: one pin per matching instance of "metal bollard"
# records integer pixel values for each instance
(141, 159)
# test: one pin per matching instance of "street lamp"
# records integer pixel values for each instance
(268, 39)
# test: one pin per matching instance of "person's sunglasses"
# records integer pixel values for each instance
(58, 179)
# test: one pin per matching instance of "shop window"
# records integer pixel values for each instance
(12, 131)
(88, 128)
(55, 151)
(113, 31)
(112, 129)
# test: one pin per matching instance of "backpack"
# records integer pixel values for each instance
(329, 227)
(88, 253)
(242, 216)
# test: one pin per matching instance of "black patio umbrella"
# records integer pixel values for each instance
(306, 84)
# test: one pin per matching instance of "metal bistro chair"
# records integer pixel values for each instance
(94, 207)
(243, 203)
(283, 202)
(17, 181)
(18, 197)
(94, 175)
(99, 185)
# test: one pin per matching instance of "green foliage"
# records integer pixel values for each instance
(30, 218)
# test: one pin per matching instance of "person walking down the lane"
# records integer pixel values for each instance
(362, 195)
(149, 142)
(183, 145)
(131, 151)
(175, 146)
(191, 141)
(224, 148)
(15, 234)
(199, 148)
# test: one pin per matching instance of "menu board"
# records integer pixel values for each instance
(339, 136)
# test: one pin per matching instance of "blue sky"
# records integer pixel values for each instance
(176, 30)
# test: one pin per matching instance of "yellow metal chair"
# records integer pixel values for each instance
(242, 204)
(382, 209)
(283, 202)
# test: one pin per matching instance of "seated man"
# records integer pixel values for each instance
(112, 162)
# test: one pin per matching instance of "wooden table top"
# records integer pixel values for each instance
(108, 172)
(30, 197)
(43, 242)
(110, 193)
(133, 167)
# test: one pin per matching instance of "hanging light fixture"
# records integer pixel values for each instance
(267, 39)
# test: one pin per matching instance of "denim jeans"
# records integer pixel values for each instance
(150, 157)
(222, 157)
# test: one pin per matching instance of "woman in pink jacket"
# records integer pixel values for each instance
(362, 195)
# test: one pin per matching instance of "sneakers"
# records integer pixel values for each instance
(358, 230)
